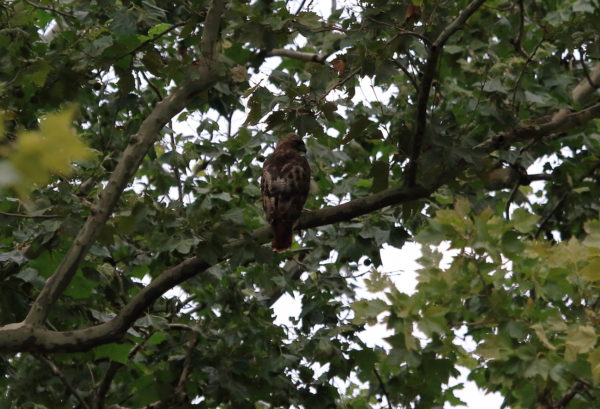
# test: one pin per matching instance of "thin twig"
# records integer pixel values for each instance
(410, 77)
(300, 7)
(517, 43)
(54, 369)
(586, 72)
(31, 216)
(176, 169)
(402, 31)
(180, 394)
(103, 388)
(559, 202)
(50, 9)
(511, 197)
(522, 72)
(341, 82)
(383, 388)
(150, 40)
(180, 327)
(151, 85)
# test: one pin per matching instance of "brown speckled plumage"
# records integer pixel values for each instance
(285, 184)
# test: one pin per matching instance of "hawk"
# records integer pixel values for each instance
(285, 184)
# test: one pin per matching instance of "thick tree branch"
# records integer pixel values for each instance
(435, 51)
(586, 89)
(298, 55)
(210, 31)
(561, 122)
(26, 337)
(149, 131)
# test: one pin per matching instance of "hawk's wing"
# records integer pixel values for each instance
(285, 184)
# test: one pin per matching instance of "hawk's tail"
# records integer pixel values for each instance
(282, 235)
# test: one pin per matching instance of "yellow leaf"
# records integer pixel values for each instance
(541, 334)
(580, 340)
(591, 271)
(1, 125)
(594, 360)
(36, 155)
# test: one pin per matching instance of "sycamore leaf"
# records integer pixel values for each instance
(541, 334)
(580, 340)
(115, 352)
(37, 155)
(591, 271)
(366, 311)
(594, 360)
(524, 221)
(592, 228)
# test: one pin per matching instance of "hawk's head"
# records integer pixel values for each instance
(291, 141)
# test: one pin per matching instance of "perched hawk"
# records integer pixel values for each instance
(285, 184)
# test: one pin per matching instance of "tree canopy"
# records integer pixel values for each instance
(132, 135)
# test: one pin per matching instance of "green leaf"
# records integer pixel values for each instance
(366, 311)
(594, 360)
(80, 287)
(380, 172)
(114, 352)
(580, 339)
(37, 155)
(524, 221)
(159, 29)
(124, 23)
(153, 62)
(592, 228)
(591, 271)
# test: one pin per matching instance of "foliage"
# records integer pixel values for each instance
(178, 104)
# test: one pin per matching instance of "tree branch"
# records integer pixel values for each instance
(435, 51)
(54, 369)
(204, 77)
(584, 91)
(31, 216)
(383, 388)
(576, 388)
(28, 337)
(558, 124)
(552, 210)
(180, 394)
(298, 55)
(50, 9)
(151, 40)
(211, 29)
(113, 368)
